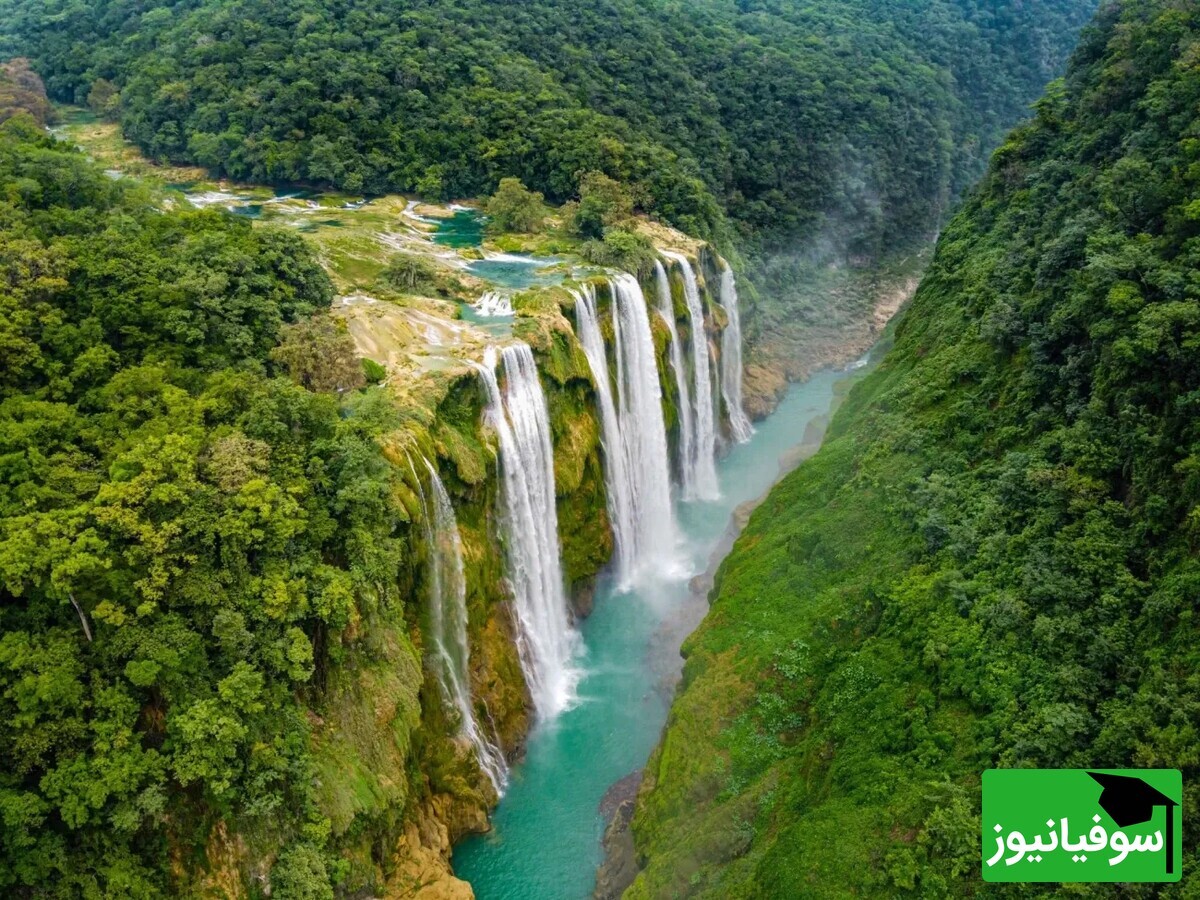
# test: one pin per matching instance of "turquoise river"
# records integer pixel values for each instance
(545, 843)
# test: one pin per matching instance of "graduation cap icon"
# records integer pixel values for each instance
(1131, 801)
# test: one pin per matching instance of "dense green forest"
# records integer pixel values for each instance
(847, 125)
(211, 639)
(185, 534)
(993, 560)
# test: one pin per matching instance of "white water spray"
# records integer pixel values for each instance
(546, 642)
(703, 459)
(616, 461)
(448, 622)
(639, 408)
(637, 473)
(494, 304)
(731, 359)
(687, 437)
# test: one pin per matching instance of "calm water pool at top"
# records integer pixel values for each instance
(463, 229)
(515, 274)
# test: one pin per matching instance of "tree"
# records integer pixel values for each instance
(300, 874)
(320, 355)
(104, 99)
(183, 538)
(705, 109)
(373, 371)
(603, 202)
(513, 207)
(621, 249)
(21, 90)
(410, 273)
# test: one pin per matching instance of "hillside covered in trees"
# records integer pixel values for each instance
(185, 536)
(993, 560)
(853, 121)
(212, 594)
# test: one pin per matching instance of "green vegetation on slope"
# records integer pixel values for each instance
(857, 120)
(188, 543)
(992, 562)
(212, 598)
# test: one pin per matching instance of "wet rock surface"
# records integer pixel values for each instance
(620, 866)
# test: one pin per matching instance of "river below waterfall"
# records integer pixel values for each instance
(545, 840)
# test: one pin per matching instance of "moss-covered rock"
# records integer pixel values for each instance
(584, 529)
(363, 735)
(364, 732)
(456, 435)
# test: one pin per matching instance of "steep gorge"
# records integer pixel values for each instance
(490, 488)
(362, 515)
(380, 594)
(992, 560)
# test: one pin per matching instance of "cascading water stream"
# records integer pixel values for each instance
(546, 642)
(637, 471)
(494, 304)
(703, 459)
(448, 622)
(687, 437)
(643, 430)
(545, 838)
(618, 483)
(731, 359)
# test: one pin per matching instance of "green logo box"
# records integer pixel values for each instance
(1116, 825)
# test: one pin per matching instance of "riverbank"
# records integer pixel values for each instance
(619, 867)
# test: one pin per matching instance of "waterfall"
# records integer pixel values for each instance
(618, 483)
(703, 459)
(639, 406)
(731, 359)
(494, 304)
(448, 622)
(634, 436)
(546, 641)
(687, 438)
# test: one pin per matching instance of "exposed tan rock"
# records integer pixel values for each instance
(227, 859)
(777, 360)
(763, 387)
(664, 236)
(891, 302)
(422, 857)
(433, 211)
